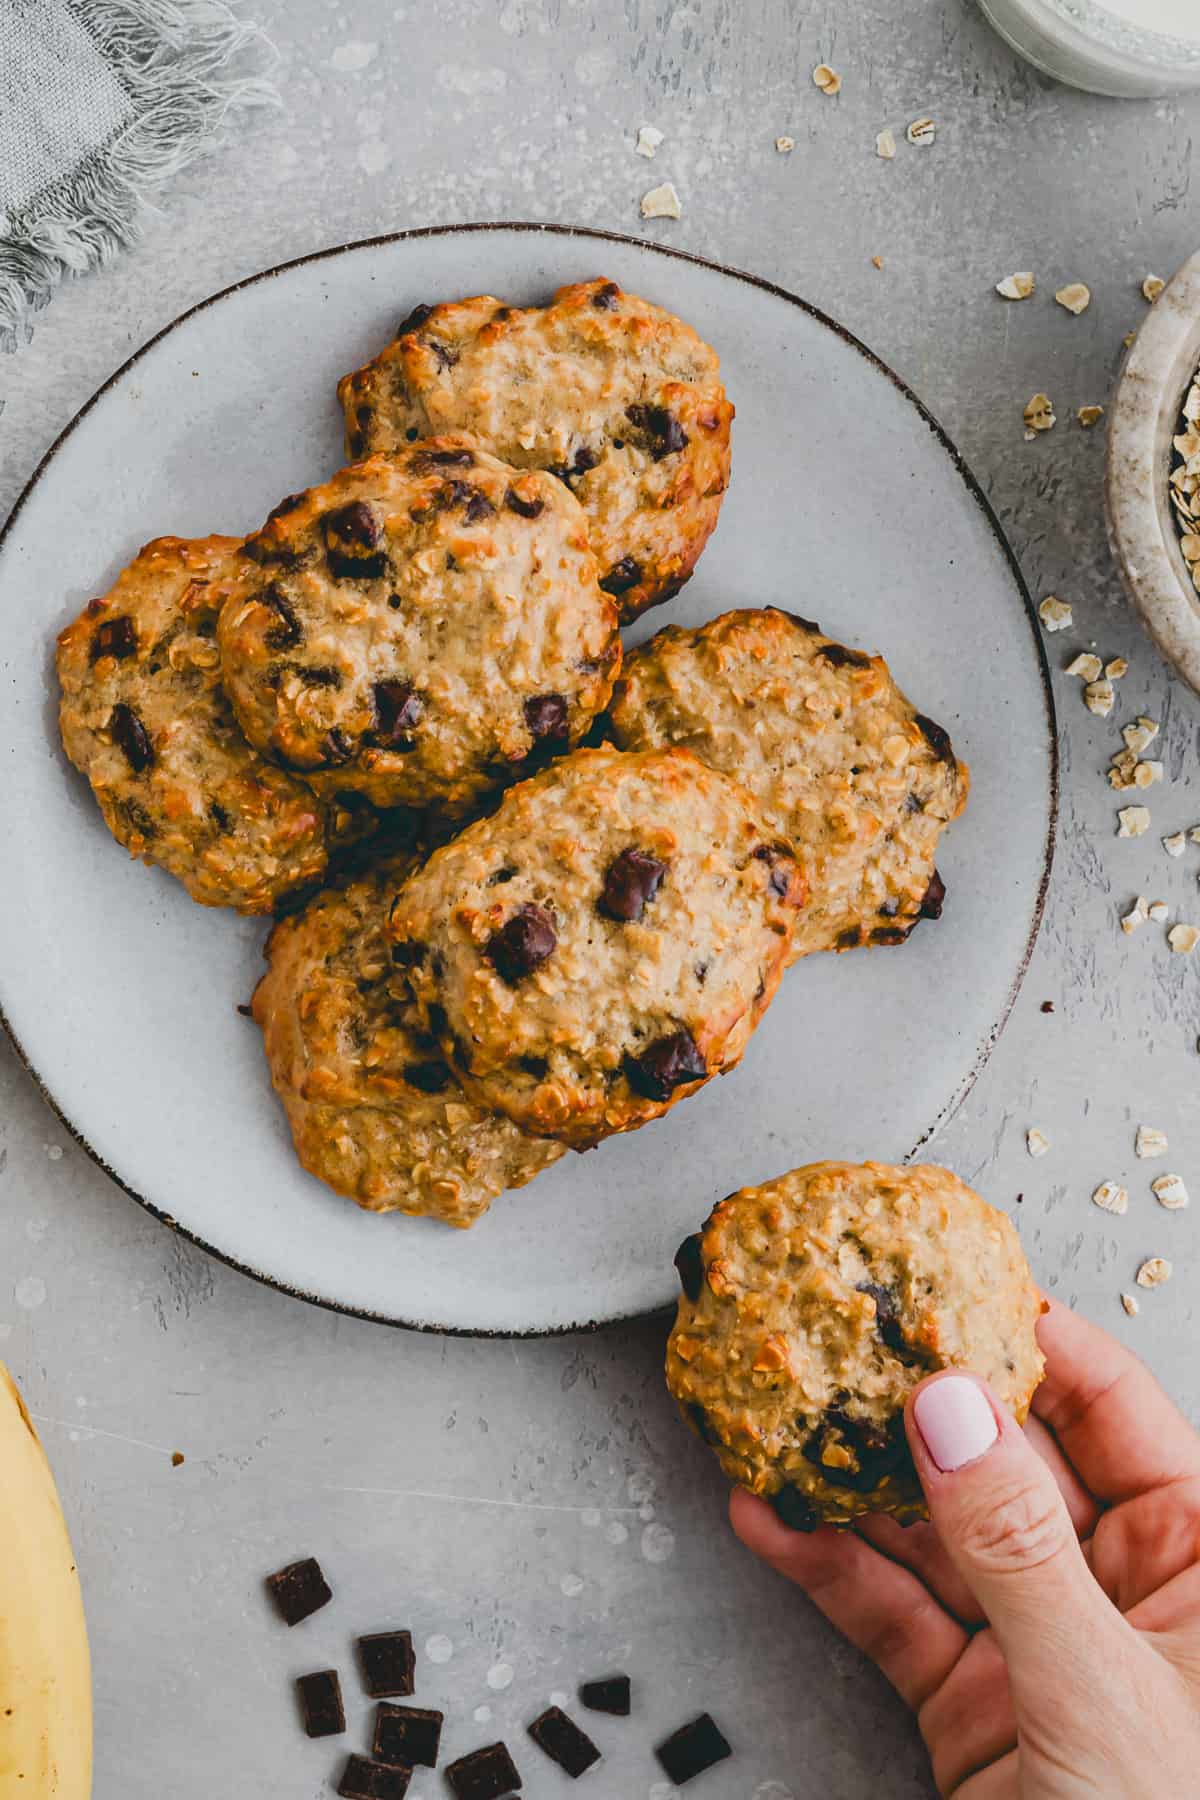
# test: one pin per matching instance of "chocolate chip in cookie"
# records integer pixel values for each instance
(132, 737)
(547, 718)
(352, 538)
(689, 1265)
(398, 709)
(622, 576)
(669, 1062)
(522, 943)
(633, 879)
(664, 434)
(115, 637)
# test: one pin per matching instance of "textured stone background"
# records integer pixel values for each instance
(535, 1504)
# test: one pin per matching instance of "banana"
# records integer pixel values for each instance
(45, 1670)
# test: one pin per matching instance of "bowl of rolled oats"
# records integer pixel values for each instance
(1153, 477)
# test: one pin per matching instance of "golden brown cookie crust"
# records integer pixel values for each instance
(620, 398)
(373, 1109)
(603, 943)
(418, 627)
(814, 1304)
(143, 716)
(837, 758)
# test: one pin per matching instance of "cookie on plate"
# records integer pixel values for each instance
(419, 628)
(144, 718)
(602, 944)
(814, 1304)
(838, 760)
(617, 397)
(373, 1109)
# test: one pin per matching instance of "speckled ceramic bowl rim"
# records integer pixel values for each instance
(1161, 363)
(591, 234)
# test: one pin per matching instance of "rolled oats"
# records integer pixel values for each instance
(1085, 665)
(1153, 1272)
(1134, 820)
(1183, 939)
(1075, 297)
(1089, 416)
(1036, 1142)
(662, 202)
(649, 138)
(1175, 844)
(1129, 1302)
(1018, 286)
(1170, 1192)
(1159, 911)
(1140, 736)
(785, 145)
(827, 79)
(1152, 287)
(1145, 774)
(1111, 1197)
(1150, 1141)
(1098, 697)
(1136, 916)
(885, 144)
(1116, 668)
(1039, 413)
(1055, 614)
(921, 131)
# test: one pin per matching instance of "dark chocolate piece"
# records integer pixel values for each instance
(666, 435)
(689, 1266)
(321, 1703)
(132, 737)
(486, 1774)
(299, 1590)
(692, 1749)
(934, 897)
(669, 1062)
(115, 637)
(936, 736)
(609, 1695)
(621, 577)
(839, 656)
(386, 1657)
(398, 710)
(366, 1780)
(633, 879)
(527, 509)
(522, 943)
(794, 1511)
(414, 320)
(547, 718)
(887, 1314)
(407, 1734)
(563, 1741)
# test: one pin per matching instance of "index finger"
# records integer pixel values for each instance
(1111, 1417)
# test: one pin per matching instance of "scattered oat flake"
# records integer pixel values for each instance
(1159, 911)
(1183, 939)
(1152, 287)
(1085, 665)
(1036, 1142)
(1121, 774)
(1055, 614)
(1153, 1272)
(1075, 297)
(1129, 339)
(885, 144)
(1129, 1302)
(1039, 413)
(1194, 834)
(662, 202)
(1134, 820)
(649, 138)
(1140, 736)
(785, 145)
(1145, 774)
(1116, 668)
(1089, 416)
(1150, 1141)
(1018, 286)
(1171, 1192)
(1175, 844)
(827, 79)
(1111, 1197)
(1099, 698)
(921, 131)
(1136, 916)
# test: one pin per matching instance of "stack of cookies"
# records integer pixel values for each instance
(529, 898)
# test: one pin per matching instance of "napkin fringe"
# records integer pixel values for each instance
(184, 65)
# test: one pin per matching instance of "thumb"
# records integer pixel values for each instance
(1006, 1528)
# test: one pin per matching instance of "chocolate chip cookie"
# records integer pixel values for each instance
(144, 718)
(813, 1305)
(838, 760)
(602, 944)
(420, 629)
(619, 399)
(374, 1110)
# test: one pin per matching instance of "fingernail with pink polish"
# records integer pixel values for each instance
(955, 1420)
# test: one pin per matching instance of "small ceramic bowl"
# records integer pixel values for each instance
(1145, 417)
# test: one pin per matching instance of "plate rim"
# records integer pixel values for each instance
(974, 488)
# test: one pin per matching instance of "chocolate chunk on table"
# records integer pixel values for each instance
(486, 1774)
(299, 1590)
(366, 1780)
(692, 1749)
(386, 1657)
(563, 1741)
(611, 1695)
(321, 1703)
(408, 1734)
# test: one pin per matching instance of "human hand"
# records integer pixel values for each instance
(1045, 1625)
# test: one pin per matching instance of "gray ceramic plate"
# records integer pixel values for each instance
(848, 504)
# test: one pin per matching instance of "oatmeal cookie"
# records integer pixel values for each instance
(419, 628)
(838, 760)
(144, 718)
(811, 1308)
(618, 398)
(373, 1109)
(602, 944)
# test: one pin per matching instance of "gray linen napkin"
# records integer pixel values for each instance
(101, 102)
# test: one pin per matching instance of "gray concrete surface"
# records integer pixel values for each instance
(535, 1503)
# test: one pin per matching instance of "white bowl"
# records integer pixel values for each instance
(1127, 48)
(1159, 368)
